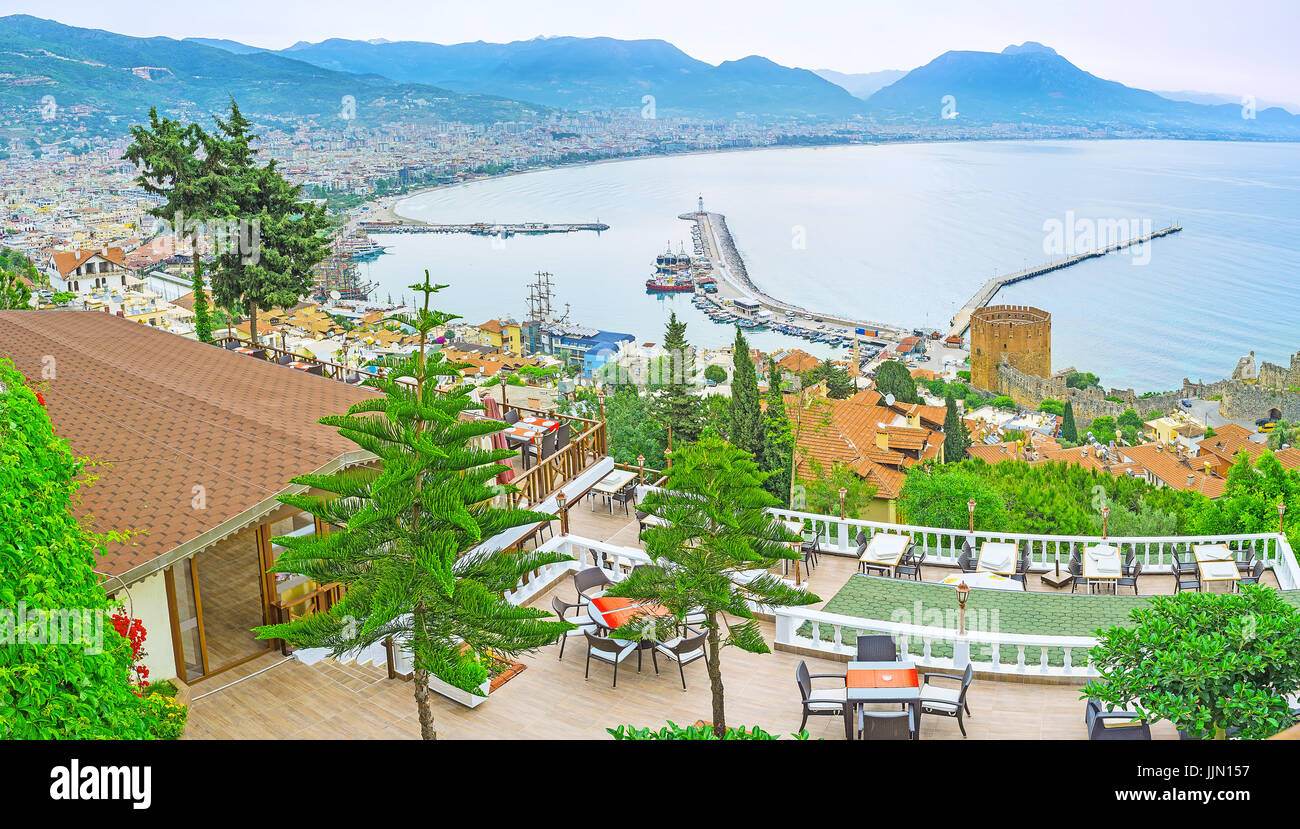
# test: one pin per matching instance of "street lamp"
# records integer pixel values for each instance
(970, 509)
(600, 398)
(963, 592)
(1105, 513)
(562, 501)
(640, 469)
(1281, 510)
(843, 492)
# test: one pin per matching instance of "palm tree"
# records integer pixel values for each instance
(408, 543)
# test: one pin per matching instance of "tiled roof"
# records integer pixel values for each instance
(67, 261)
(161, 414)
(1175, 471)
(1289, 458)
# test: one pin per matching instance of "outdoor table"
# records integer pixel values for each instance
(1216, 562)
(609, 612)
(998, 557)
(881, 682)
(1212, 552)
(1101, 563)
(310, 368)
(611, 485)
(989, 581)
(884, 550)
(249, 352)
(530, 429)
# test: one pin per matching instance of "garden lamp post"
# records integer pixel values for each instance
(600, 398)
(843, 492)
(1281, 510)
(640, 469)
(970, 509)
(963, 592)
(1105, 513)
(562, 501)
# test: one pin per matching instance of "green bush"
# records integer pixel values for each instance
(716, 373)
(673, 731)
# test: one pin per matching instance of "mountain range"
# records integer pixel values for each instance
(480, 82)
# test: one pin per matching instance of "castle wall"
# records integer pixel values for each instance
(1016, 335)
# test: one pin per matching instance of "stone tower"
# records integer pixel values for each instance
(1018, 335)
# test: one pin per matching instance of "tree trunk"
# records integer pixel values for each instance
(427, 729)
(715, 679)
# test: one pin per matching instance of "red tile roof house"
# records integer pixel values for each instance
(189, 445)
(83, 271)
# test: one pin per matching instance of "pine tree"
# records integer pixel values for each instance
(956, 437)
(778, 442)
(892, 377)
(167, 155)
(408, 541)
(1069, 431)
(745, 416)
(716, 527)
(277, 271)
(674, 403)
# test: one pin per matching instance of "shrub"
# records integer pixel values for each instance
(699, 731)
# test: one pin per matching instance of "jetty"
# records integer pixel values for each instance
(961, 321)
(482, 228)
(730, 268)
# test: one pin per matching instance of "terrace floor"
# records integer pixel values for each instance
(277, 698)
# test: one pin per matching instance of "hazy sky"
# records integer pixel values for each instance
(1239, 48)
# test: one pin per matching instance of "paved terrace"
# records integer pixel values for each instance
(274, 698)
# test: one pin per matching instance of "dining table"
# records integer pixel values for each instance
(1216, 563)
(1101, 565)
(531, 429)
(884, 551)
(998, 557)
(309, 368)
(881, 682)
(986, 580)
(613, 483)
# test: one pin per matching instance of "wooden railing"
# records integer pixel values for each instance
(334, 371)
(317, 601)
(587, 444)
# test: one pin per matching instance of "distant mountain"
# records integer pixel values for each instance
(1031, 83)
(108, 77)
(862, 85)
(233, 46)
(594, 73)
(1213, 98)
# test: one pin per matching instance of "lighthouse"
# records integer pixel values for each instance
(700, 205)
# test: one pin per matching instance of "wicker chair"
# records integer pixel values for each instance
(683, 651)
(886, 725)
(910, 565)
(945, 701)
(1098, 729)
(594, 579)
(1130, 578)
(823, 702)
(583, 625)
(609, 651)
(878, 647)
(1076, 570)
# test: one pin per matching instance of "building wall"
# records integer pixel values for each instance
(147, 601)
(1017, 335)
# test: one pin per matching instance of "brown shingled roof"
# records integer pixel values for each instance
(164, 414)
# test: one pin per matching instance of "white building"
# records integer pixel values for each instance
(84, 271)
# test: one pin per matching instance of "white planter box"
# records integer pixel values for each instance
(455, 694)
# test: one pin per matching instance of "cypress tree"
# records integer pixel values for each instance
(956, 438)
(894, 378)
(745, 416)
(1069, 431)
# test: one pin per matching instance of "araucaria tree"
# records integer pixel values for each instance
(745, 418)
(712, 554)
(1209, 663)
(172, 165)
(674, 404)
(267, 261)
(407, 537)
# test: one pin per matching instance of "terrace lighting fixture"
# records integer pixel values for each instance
(963, 592)
(843, 492)
(970, 508)
(640, 465)
(562, 501)
(1105, 513)
(1281, 510)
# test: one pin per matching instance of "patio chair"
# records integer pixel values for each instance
(591, 579)
(609, 651)
(543, 450)
(1130, 578)
(1022, 570)
(886, 725)
(683, 651)
(284, 359)
(964, 561)
(877, 647)
(945, 701)
(1076, 569)
(861, 539)
(1186, 580)
(583, 625)
(910, 565)
(562, 436)
(823, 702)
(810, 549)
(1245, 565)
(641, 516)
(511, 416)
(1114, 725)
(625, 496)
(1253, 577)
(1184, 562)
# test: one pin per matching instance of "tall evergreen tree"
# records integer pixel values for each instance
(286, 234)
(674, 404)
(14, 293)
(716, 528)
(172, 165)
(746, 416)
(1069, 431)
(956, 437)
(407, 547)
(778, 441)
(893, 377)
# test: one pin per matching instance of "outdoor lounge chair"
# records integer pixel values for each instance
(877, 647)
(886, 725)
(822, 702)
(683, 651)
(609, 651)
(1114, 725)
(946, 701)
(584, 625)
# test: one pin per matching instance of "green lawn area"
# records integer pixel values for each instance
(997, 611)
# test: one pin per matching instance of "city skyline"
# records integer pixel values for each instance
(1188, 47)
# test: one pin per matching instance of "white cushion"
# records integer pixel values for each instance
(611, 657)
(829, 699)
(582, 627)
(686, 657)
(939, 697)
